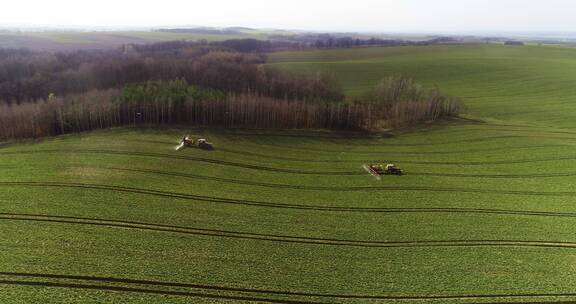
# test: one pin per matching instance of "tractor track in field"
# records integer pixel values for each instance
(279, 238)
(397, 210)
(242, 294)
(335, 188)
(290, 206)
(314, 160)
(192, 294)
(384, 153)
(225, 180)
(177, 195)
(337, 136)
(499, 128)
(328, 188)
(350, 151)
(437, 143)
(497, 176)
(190, 158)
(287, 170)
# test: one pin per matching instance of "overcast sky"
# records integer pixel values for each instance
(335, 15)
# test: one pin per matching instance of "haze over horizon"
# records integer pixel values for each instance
(362, 15)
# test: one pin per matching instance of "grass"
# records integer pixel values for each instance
(484, 214)
(122, 204)
(525, 85)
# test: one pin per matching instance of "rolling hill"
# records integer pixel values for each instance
(76, 40)
(527, 85)
(484, 214)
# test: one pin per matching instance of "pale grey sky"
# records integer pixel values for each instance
(335, 15)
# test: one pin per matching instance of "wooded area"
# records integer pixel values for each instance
(46, 94)
(30, 76)
(175, 102)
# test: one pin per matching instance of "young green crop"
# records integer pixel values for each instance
(484, 213)
(529, 85)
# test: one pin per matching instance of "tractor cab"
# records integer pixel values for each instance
(392, 169)
(202, 143)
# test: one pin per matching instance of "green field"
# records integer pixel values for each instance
(527, 85)
(485, 214)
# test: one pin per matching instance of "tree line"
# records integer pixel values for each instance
(231, 66)
(178, 82)
(394, 102)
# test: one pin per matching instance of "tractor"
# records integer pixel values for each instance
(201, 143)
(392, 169)
(389, 169)
(204, 144)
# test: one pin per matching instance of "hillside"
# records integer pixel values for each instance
(527, 85)
(484, 213)
(62, 41)
(276, 217)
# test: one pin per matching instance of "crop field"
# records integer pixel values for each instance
(526, 85)
(485, 213)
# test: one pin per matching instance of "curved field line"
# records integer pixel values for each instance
(285, 238)
(497, 128)
(233, 181)
(149, 291)
(286, 170)
(190, 158)
(319, 188)
(435, 143)
(334, 188)
(407, 161)
(337, 136)
(205, 288)
(283, 170)
(498, 176)
(395, 152)
(508, 148)
(388, 210)
(315, 160)
(368, 209)
(273, 205)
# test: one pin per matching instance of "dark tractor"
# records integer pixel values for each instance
(392, 169)
(204, 144)
(190, 142)
(379, 169)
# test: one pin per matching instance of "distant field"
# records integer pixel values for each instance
(56, 41)
(528, 84)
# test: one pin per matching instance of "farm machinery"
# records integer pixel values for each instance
(190, 142)
(380, 169)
